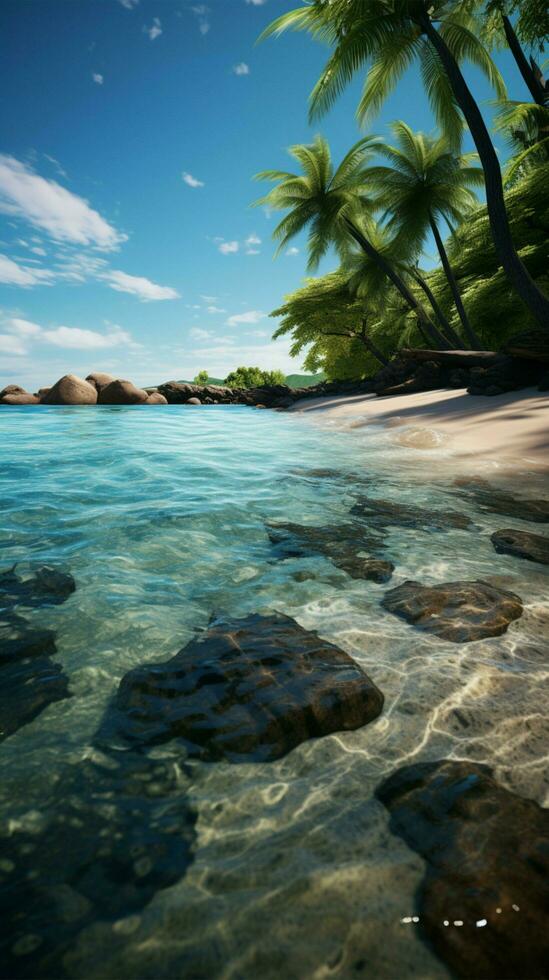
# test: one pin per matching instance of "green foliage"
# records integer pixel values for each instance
(202, 378)
(253, 377)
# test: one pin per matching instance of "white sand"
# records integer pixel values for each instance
(512, 428)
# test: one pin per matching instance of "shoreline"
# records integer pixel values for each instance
(511, 429)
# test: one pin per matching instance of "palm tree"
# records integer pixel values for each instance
(497, 25)
(390, 34)
(334, 205)
(426, 182)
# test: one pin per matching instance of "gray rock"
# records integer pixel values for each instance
(455, 611)
(494, 500)
(522, 544)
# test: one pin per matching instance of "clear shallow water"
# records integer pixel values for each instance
(159, 516)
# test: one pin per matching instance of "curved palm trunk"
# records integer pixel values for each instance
(529, 76)
(399, 283)
(448, 329)
(371, 345)
(469, 332)
(516, 271)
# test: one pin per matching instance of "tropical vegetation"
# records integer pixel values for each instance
(381, 207)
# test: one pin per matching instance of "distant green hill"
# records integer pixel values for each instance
(292, 380)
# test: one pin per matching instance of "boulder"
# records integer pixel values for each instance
(342, 544)
(46, 587)
(155, 398)
(522, 544)
(13, 390)
(42, 392)
(121, 392)
(381, 514)
(29, 680)
(455, 611)
(100, 380)
(246, 690)
(112, 833)
(70, 390)
(483, 902)
(193, 401)
(495, 500)
(20, 399)
(531, 345)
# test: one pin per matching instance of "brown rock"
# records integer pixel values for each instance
(70, 390)
(13, 390)
(246, 690)
(484, 898)
(379, 513)
(42, 392)
(348, 546)
(100, 380)
(121, 392)
(522, 544)
(495, 500)
(155, 398)
(20, 399)
(193, 401)
(455, 611)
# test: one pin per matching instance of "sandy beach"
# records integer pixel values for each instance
(512, 429)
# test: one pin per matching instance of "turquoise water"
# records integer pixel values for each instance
(160, 517)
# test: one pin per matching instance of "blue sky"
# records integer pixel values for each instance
(129, 138)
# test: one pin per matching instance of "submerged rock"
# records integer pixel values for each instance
(71, 390)
(110, 836)
(29, 680)
(247, 690)
(484, 900)
(48, 586)
(342, 544)
(456, 611)
(391, 513)
(494, 500)
(522, 544)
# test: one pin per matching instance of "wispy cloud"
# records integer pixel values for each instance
(201, 12)
(251, 316)
(155, 30)
(228, 248)
(98, 79)
(47, 205)
(241, 69)
(9, 344)
(256, 3)
(129, 4)
(139, 286)
(214, 309)
(14, 274)
(192, 181)
(23, 328)
(197, 333)
(292, 251)
(74, 338)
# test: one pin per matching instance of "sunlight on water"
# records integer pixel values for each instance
(160, 517)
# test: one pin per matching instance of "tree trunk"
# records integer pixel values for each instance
(399, 283)
(516, 272)
(372, 346)
(469, 332)
(447, 328)
(529, 76)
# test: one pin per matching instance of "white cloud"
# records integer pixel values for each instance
(226, 248)
(209, 299)
(47, 205)
(253, 239)
(192, 181)
(256, 3)
(12, 345)
(201, 12)
(139, 286)
(98, 79)
(129, 4)
(215, 309)
(155, 30)
(14, 274)
(241, 69)
(198, 334)
(253, 251)
(38, 250)
(76, 339)
(24, 328)
(251, 316)
(292, 251)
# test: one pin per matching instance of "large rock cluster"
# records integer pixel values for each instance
(96, 389)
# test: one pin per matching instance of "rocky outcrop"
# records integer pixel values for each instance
(382, 514)
(111, 834)
(495, 500)
(13, 390)
(155, 398)
(70, 390)
(247, 690)
(29, 679)
(522, 544)
(342, 544)
(121, 392)
(484, 899)
(20, 399)
(455, 611)
(100, 380)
